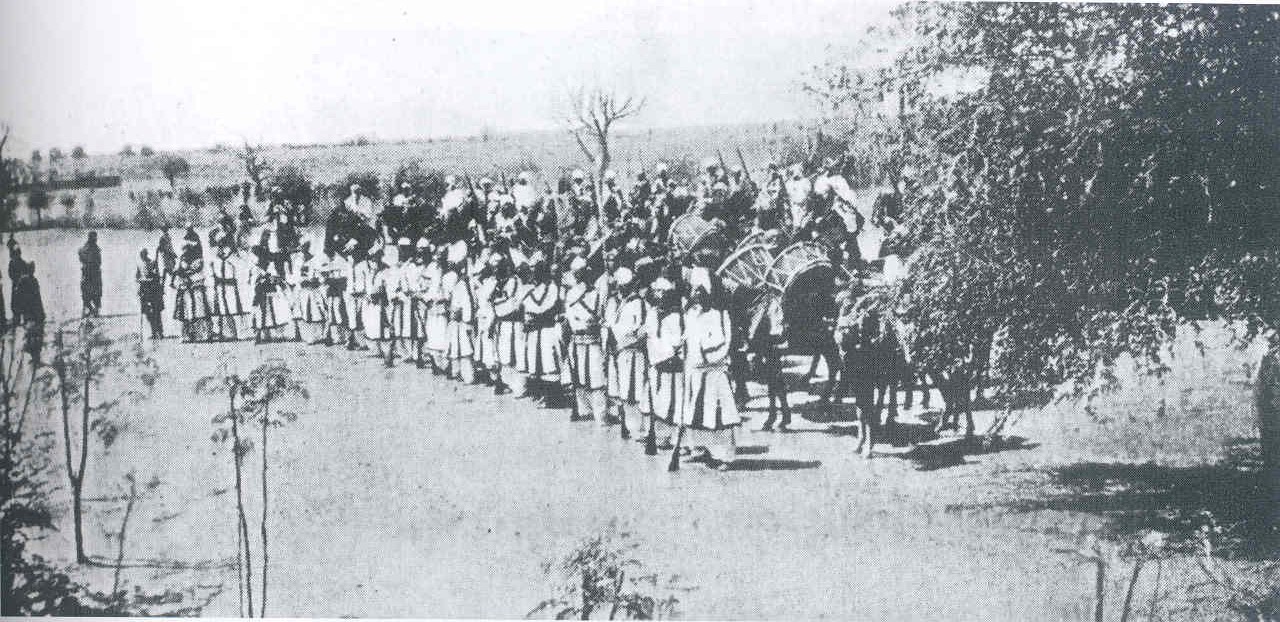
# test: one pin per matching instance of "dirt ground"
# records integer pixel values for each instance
(398, 493)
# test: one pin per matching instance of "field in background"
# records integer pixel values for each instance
(548, 154)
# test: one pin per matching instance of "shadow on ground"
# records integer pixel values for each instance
(1177, 501)
(771, 464)
(931, 456)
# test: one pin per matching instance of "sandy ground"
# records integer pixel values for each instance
(397, 493)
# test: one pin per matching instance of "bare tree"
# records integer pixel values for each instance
(592, 113)
(255, 166)
(4, 166)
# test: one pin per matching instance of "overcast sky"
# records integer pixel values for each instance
(186, 74)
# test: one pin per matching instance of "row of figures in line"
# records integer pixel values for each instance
(632, 342)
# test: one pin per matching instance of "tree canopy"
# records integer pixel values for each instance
(1078, 180)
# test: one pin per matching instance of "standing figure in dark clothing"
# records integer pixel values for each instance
(91, 276)
(16, 268)
(165, 255)
(150, 292)
(246, 224)
(28, 299)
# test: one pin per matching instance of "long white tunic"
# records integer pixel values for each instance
(580, 313)
(542, 333)
(708, 402)
(664, 339)
(630, 361)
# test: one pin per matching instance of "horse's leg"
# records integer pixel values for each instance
(738, 373)
(831, 354)
(891, 389)
(865, 401)
(948, 402)
(967, 404)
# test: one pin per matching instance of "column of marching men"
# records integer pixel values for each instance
(496, 289)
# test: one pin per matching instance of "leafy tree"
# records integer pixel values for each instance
(68, 202)
(227, 427)
(146, 151)
(83, 362)
(1080, 180)
(369, 183)
(172, 167)
(221, 196)
(78, 153)
(127, 150)
(292, 184)
(38, 202)
(29, 584)
(264, 396)
(268, 385)
(426, 183)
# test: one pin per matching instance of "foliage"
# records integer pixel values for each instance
(127, 150)
(147, 212)
(369, 185)
(222, 196)
(1248, 590)
(1079, 179)
(192, 203)
(426, 183)
(173, 167)
(603, 576)
(266, 386)
(31, 584)
(291, 184)
(78, 153)
(84, 362)
(68, 202)
(146, 151)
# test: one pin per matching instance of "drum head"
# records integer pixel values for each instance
(747, 267)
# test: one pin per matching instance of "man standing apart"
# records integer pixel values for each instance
(150, 292)
(91, 276)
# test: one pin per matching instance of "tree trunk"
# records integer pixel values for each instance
(266, 418)
(77, 515)
(244, 523)
(78, 487)
(603, 166)
(1266, 392)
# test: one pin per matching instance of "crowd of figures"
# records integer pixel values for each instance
(656, 304)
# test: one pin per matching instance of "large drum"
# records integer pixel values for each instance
(690, 233)
(801, 268)
(805, 276)
(747, 267)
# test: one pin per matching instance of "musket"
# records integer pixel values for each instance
(745, 171)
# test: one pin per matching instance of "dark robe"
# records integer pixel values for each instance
(91, 276)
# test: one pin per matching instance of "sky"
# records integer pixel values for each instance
(191, 74)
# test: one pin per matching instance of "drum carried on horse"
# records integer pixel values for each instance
(690, 233)
(747, 268)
